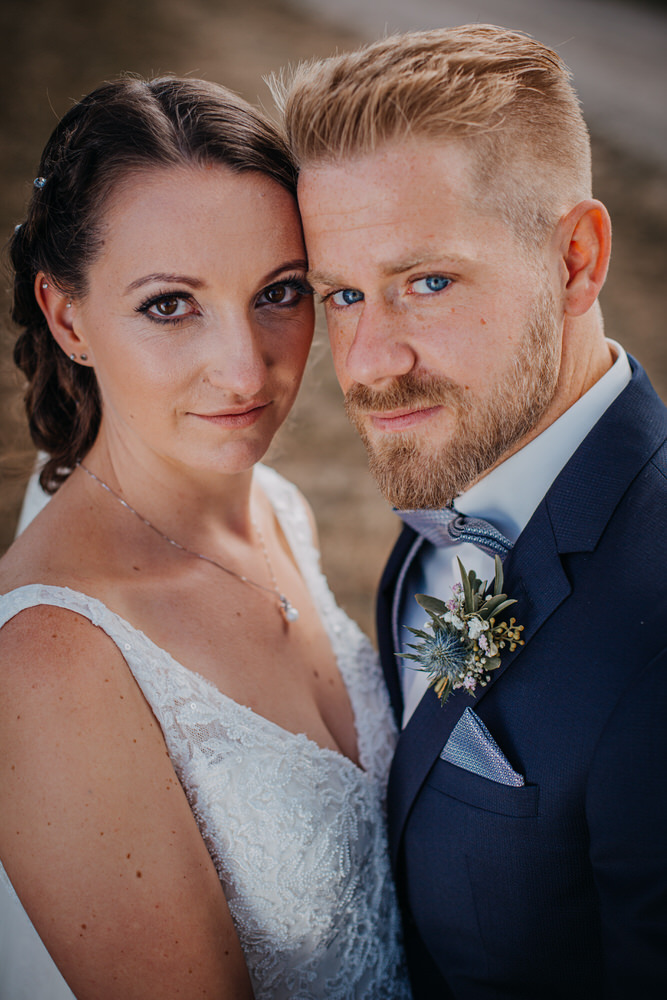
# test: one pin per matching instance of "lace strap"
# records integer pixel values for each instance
(139, 652)
(290, 510)
(34, 594)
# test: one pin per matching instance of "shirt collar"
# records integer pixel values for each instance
(509, 495)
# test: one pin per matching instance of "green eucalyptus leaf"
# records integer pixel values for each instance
(433, 605)
(505, 604)
(498, 583)
(495, 603)
(467, 589)
(476, 591)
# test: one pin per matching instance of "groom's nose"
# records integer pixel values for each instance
(374, 349)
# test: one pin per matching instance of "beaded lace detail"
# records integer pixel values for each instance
(296, 831)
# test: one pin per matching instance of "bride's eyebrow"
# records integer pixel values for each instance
(289, 265)
(176, 279)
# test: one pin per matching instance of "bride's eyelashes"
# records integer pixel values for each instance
(287, 292)
(174, 307)
(168, 307)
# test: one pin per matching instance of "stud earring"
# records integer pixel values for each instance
(69, 305)
(84, 357)
(72, 357)
(45, 284)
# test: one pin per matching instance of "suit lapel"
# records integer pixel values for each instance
(385, 600)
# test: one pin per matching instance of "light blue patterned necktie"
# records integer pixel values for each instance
(447, 525)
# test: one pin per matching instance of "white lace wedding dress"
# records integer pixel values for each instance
(296, 832)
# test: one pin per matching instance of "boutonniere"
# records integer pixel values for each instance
(465, 634)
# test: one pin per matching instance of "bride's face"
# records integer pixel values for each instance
(197, 319)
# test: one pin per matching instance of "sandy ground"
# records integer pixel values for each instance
(56, 50)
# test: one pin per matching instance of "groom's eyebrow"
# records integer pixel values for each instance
(417, 258)
(422, 258)
(324, 278)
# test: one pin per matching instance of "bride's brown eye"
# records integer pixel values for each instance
(167, 307)
(276, 293)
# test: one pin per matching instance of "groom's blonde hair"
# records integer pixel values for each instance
(505, 96)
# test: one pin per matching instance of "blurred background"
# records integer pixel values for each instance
(54, 51)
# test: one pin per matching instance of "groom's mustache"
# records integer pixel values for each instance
(408, 391)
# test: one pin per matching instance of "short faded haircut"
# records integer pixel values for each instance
(500, 93)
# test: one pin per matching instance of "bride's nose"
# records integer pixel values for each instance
(235, 357)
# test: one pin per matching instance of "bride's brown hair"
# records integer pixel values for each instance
(122, 127)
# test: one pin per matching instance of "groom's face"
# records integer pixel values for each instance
(445, 330)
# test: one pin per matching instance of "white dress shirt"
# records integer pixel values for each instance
(507, 497)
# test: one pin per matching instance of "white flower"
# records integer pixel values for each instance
(454, 620)
(476, 627)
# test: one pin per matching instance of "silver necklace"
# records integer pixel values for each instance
(285, 606)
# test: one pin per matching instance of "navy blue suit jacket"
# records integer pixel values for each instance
(557, 889)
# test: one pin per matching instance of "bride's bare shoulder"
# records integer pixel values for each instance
(55, 659)
(41, 644)
(55, 547)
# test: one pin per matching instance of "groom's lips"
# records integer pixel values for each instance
(404, 419)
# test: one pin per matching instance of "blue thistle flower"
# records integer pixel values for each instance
(442, 655)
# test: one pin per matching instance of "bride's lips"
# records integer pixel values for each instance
(234, 418)
(404, 419)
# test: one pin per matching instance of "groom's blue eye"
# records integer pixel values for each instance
(346, 297)
(432, 283)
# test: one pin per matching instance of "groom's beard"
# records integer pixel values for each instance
(414, 472)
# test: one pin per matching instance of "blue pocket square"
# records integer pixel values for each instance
(472, 747)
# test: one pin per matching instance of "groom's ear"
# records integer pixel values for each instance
(60, 313)
(584, 236)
